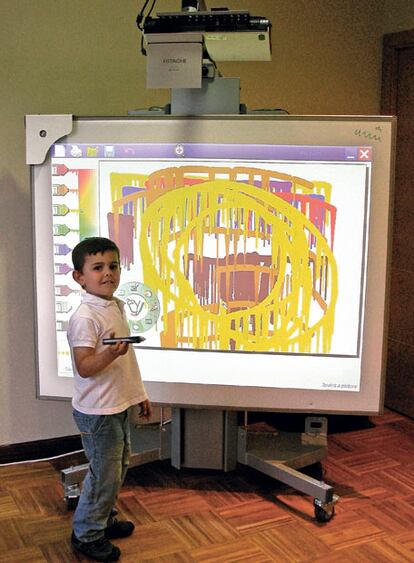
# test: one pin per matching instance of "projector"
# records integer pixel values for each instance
(177, 41)
(229, 35)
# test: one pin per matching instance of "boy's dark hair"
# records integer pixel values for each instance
(91, 245)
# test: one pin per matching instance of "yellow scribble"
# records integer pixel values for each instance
(181, 228)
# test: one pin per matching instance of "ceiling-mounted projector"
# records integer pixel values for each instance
(229, 35)
(176, 43)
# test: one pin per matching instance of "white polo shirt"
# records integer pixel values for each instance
(119, 385)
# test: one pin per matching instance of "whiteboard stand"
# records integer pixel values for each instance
(280, 454)
(211, 439)
(204, 439)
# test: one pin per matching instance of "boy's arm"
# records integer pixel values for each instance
(89, 362)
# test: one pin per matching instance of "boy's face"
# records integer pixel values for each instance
(100, 275)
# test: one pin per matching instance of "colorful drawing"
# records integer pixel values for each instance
(241, 258)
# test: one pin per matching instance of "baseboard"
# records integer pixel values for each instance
(40, 449)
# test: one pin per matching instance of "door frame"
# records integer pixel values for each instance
(397, 396)
(391, 45)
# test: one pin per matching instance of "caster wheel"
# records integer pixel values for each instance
(322, 515)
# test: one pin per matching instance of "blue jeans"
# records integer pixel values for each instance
(107, 445)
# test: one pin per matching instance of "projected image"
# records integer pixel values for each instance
(242, 258)
(228, 249)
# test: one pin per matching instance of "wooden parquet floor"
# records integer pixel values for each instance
(214, 517)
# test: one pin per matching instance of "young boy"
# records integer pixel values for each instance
(107, 382)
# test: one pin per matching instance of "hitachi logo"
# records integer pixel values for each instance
(176, 61)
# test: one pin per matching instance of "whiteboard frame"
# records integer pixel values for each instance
(378, 131)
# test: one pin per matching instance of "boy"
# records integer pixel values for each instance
(107, 382)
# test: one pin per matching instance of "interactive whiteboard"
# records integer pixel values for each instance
(253, 253)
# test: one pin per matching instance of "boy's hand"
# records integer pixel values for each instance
(119, 348)
(89, 363)
(145, 409)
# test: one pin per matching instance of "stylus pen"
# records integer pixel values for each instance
(128, 339)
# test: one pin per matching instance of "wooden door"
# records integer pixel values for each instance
(397, 98)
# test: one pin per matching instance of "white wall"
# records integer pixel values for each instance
(84, 58)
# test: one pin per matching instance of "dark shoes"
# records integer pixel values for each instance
(119, 529)
(103, 549)
(99, 550)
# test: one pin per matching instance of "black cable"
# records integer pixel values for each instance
(152, 7)
(141, 17)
